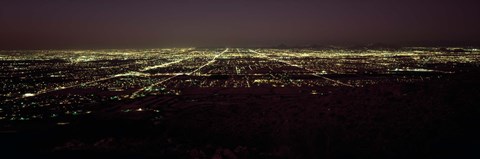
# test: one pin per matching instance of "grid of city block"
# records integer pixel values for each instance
(240, 102)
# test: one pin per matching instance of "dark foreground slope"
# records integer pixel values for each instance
(435, 119)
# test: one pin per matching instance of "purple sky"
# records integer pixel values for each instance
(136, 23)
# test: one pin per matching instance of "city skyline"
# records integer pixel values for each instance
(239, 79)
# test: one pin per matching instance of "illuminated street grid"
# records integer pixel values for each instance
(64, 82)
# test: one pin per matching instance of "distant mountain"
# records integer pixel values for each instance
(375, 46)
(309, 46)
(451, 50)
(282, 46)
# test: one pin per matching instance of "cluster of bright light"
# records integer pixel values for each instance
(101, 75)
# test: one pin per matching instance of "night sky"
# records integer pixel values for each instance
(26, 24)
